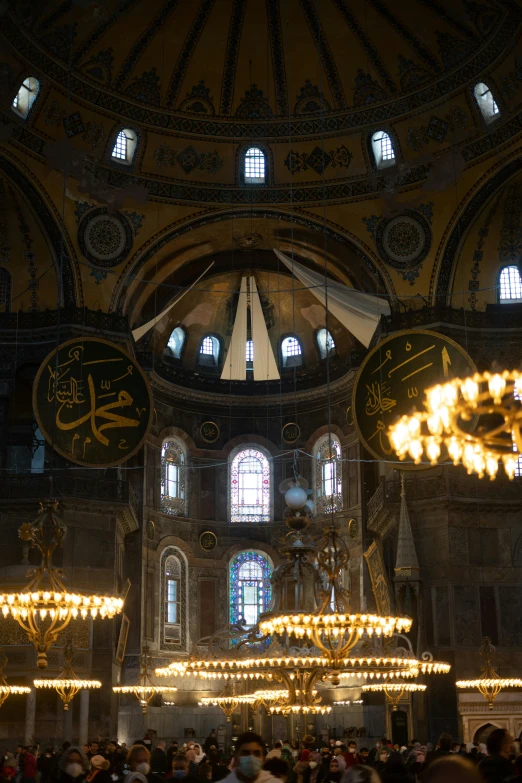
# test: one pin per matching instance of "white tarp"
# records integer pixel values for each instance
(265, 366)
(358, 311)
(234, 368)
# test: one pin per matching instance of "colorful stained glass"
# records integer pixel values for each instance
(328, 476)
(250, 589)
(250, 487)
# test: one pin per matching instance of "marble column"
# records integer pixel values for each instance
(68, 722)
(84, 717)
(30, 716)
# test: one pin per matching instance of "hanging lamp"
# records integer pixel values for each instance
(67, 684)
(490, 683)
(7, 690)
(144, 690)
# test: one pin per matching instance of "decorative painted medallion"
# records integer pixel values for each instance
(92, 402)
(403, 241)
(151, 529)
(209, 431)
(105, 240)
(353, 528)
(291, 432)
(208, 541)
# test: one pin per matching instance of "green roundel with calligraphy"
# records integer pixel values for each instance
(392, 381)
(92, 402)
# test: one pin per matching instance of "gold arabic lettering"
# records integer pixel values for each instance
(411, 358)
(377, 399)
(388, 358)
(379, 430)
(412, 392)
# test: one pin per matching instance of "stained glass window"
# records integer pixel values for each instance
(173, 478)
(250, 487)
(249, 587)
(328, 475)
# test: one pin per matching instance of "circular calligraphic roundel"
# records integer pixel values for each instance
(392, 381)
(105, 240)
(208, 540)
(404, 241)
(92, 402)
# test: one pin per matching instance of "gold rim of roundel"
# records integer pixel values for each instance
(36, 413)
(400, 465)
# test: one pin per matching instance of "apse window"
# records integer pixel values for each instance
(173, 477)
(173, 629)
(325, 343)
(249, 587)
(249, 354)
(510, 285)
(250, 487)
(291, 352)
(125, 146)
(254, 166)
(209, 351)
(486, 102)
(176, 341)
(328, 475)
(382, 148)
(26, 96)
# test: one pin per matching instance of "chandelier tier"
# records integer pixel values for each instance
(7, 690)
(395, 691)
(145, 690)
(45, 607)
(490, 683)
(228, 701)
(67, 684)
(491, 401)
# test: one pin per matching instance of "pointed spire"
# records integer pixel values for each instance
(406, 563)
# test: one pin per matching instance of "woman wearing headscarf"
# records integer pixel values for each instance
(73, 766)
(337, 768)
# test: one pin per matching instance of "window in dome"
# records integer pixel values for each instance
(328, 475)
(209, 351)
(125, 146)
(486, 102)
(325, 343)
(26, 96)
(173, 478)
(250, 591)
(177, 341)
(250, 487)
(249, 354)
(291, 352)
(382, 148)
(5, 289)
(510, 284)
(174, 599)
(254, 166)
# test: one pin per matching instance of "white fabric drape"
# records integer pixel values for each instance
(141, 330)
(359, 312)
(234, 368)
(265, 366)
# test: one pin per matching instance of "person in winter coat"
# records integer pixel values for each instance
(337, 768)
(158, 759)
(99, 770)
(247, 764)
(73, 766)
(9, 768)
(30, 767)
(381, 759)
(497, 765)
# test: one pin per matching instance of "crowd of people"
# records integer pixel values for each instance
(252, 762)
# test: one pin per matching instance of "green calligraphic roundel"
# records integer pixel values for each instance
(393, 379)
(92, 402)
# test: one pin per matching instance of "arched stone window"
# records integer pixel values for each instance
(177, 341)
(209, 351)
(174, 620)
(328, 475)
(291, 352)
(510, 285)
(250, 486)
(486, 102)
(26, 96)
(125, 146)
(254, 166)
(382, 149)
(173, 478)
(249, 586)
(325, 343)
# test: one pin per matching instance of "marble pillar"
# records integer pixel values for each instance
(30, 716)
(84, 717)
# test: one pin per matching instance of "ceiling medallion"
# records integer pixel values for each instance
(404, 241)
(105, 240)
(248, 242)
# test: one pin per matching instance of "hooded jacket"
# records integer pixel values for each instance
(62, 775)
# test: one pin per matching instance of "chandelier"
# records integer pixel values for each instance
(145, 690)
(489, 684)
(67, 684)
(491, 402)
(228, 701)
(7, 690)
(45, 607)
(395, 691)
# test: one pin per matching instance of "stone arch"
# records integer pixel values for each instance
(483, 732)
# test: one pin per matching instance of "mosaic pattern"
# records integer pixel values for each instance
(277, 52)
(411, 75)
(94, 134)
(188, 159)
(311, 100)
(173, 461)
(474, 284)
(250, 487)
(437, 128)
(403, 242)
(325, 53)
(100, 66)
(318, 160)
(198, 100)
(254, 105)
(73, 125)
(366, 90)
(328, 475)
(187, 50)
(229, 73)
(166, 643)
(250, 591)
(105, 240)
(145, 88)
(53, 114)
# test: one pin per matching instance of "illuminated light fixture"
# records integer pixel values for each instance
(494, 400)
(45, 608)
(395, 691)
(348, 703)
(67, 684)
(145, 690)
(228, 701)
(7, 690)
(489, 684)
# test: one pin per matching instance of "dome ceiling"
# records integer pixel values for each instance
(224, 63)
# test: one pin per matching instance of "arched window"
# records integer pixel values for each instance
(249, 587)
(325, 343)
(486, 102)
(125, 146)
(291, 352)
(249, 354)
(26, 96)
(510, 284)
(328, 475)
(382, 148)
(173, 631)
(5, 290)
(177, 341)
(173, 478)
(250, 487)
(254, 171)
(209, 351)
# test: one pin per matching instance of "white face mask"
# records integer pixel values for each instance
(74, 770)
(312, 764)
(144, 768)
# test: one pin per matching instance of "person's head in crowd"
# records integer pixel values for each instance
(278, 768)
(73, 762)
(180, 766)
(138, 759)
(360, 774)
(249, 754)
(363, 755)
(352, 747)
(452, 769)
(500, 743)
(444, 742)
(205, 771)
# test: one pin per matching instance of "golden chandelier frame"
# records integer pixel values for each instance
(67, 684)
(145, 690)
(395, 691)
(492, 401)
(45, 607)
(7, 690)
(490, 683)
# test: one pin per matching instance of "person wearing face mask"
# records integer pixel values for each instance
(137, 766)
(248, 761)
(73, 766)
(180, 770)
